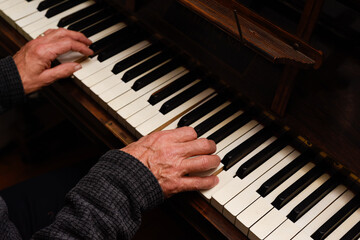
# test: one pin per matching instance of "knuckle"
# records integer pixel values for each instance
(191, 131)
(204, 162)
(205, 144)
(38, 50)
(62, 32)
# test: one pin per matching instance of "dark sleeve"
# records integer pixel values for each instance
(7, 228)
(108, 202)
(11, 88)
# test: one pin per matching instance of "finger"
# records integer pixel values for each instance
(200, 163)
(61, 46)
(53, 34)
(199, 146)
(183, 134)
(61, 71)
(47, 32)
(198, 183)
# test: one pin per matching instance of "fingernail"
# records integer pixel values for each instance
(78, 67)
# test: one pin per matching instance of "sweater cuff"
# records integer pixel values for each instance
(11, 88)
(144, 186)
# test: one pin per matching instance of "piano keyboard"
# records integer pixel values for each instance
(267, 189)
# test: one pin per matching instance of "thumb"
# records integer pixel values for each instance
(61, 71)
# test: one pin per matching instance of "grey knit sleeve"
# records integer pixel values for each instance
(7, 228)
(108, 202)
(11, 88)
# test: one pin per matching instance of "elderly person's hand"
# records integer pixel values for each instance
(172, 155)
(34, 59)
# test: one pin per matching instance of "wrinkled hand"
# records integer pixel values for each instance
(34, 59)
(172, 155)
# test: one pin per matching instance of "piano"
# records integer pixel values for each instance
(147, 75)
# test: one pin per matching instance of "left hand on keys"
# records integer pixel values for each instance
(34, 59)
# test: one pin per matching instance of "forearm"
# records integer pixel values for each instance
(11, 89)
(108, 202)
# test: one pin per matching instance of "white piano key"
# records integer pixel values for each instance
(350, 222)
(118, 89)
(233, 136)
(53, 24)
(320, 206)
(36, 28)
(234, 187)
(140, 103)
(92, 65)
(268, 223)
(106, 72)
(227, 141)
(249, 194)
(255, 212)
(289, 229)
(248, 133)
(22, 9)
(106, 84)
(221, 124)
(226, 176)
(160, 120)
(9, 4)
(70, 57)
(1, 1)
(104, 33)
(75, 56)
(151, 110)
(25, 21)
(286, 231)
(148, 110)
(174, 124)
(131, 95)
(251, 215)
(325, 215)
(113, 80)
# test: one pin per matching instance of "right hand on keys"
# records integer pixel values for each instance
(34, 59)
(172, 155)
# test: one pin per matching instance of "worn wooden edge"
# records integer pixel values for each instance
(258, 34)
(200, 214)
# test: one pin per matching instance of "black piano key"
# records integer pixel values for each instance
(239, 152)
(183, 97)
(230, 127)
(156, 74)
(249, 166)
(216, 119)
(119, 46)
(305, 205)
(76, 16)
(146, 66)
(62, 7)
(280, 177)
(353, 234)
(137, 57)
(100, 26)
(48, 4)
(90, 20)
(173, 87)
(202, 110)
(339, 217)
(288, 194)
(103, 43)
